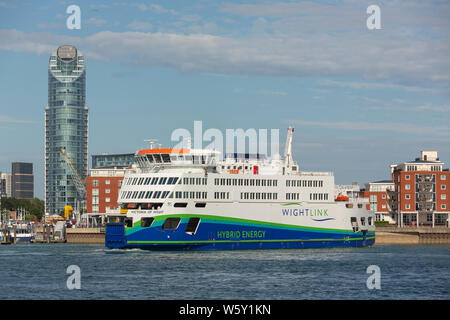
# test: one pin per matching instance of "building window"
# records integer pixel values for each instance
(407, 177)
(383, 196)
(407, 206)
(95, 183)
(107, 200)
(443, 206)
(443, 177)
(407, 187)
(107, 190)
(443, 187)
(407, 196)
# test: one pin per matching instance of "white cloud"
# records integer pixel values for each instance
(397, 127)
(390, 61)
(95, 21)
(8, 119)
(139, 25)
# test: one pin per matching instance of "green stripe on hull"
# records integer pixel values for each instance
(230, 220)
(243, 241)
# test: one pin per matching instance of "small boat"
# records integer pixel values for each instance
(22, 234)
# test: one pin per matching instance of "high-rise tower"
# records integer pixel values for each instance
(66, 126)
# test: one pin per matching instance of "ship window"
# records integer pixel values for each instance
(148, 194)
(157, 158)
(145, 205)
(154, 180)
(180, 205)
(192, 226)
(165, 157)
(129, 222)
(156, 194)
(164, 194)
(162, 180)
(146, 222)
(156, 206)
(200, 205)
(171, 223)
(354, 223)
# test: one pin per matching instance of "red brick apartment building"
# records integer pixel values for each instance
(102, 189)
(379, 194)
(421, 193)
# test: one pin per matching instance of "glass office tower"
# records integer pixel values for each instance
(66, 126)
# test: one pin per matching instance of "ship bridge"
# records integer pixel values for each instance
(150, 158)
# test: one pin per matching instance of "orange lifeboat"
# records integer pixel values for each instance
(342, 198)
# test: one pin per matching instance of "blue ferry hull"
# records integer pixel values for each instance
(226, 235)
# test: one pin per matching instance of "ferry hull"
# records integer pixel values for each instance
(26, 239)
(232, 235)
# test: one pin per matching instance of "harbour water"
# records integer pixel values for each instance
(38, 271)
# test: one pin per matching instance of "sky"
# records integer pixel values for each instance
(360, 99)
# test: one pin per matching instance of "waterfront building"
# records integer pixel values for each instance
(22, 180)
(380, 195)
(102, 189)
(5, 185)
(422, 195)
(66, 126)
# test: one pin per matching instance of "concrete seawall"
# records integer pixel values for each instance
(85, 235)
(393, 235)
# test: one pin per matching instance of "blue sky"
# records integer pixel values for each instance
(359, 99)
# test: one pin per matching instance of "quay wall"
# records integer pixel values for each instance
(393, 235)
(85, 235)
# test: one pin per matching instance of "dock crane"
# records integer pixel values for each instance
(79, 184)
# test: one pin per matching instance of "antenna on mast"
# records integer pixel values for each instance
(189, 143)
(288, 147)
(151, 141)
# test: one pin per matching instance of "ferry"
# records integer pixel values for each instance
(22, 233)
(190, 199)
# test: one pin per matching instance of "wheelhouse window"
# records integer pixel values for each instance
(165, 157)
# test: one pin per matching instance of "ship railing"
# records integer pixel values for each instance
(311, 173)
